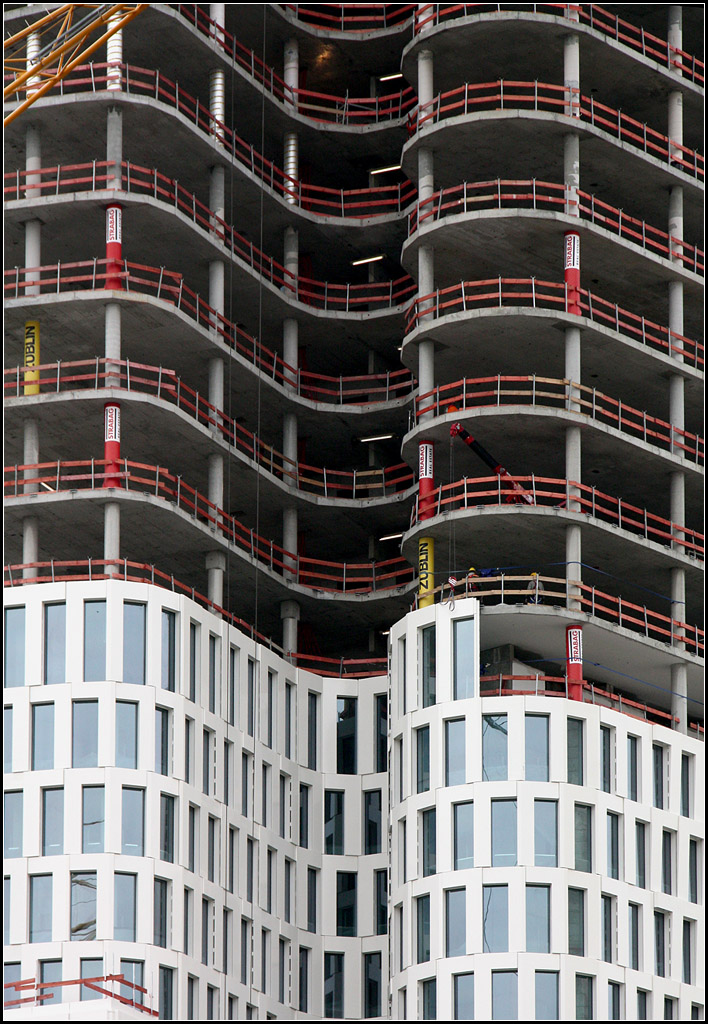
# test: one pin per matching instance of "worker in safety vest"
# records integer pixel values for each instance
(470, 580)
(535, 589)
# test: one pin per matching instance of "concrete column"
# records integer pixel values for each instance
(111, 534)
(30, 453)
(112, 341)
(290, 614)
(290, 349)
(678, 500)
(217, 13)
(425, 78)
(114, 147)
(290, 541)
(216, 567)
(679, 694)
(291, 71)
(216, 480)
(33, 228)
(217, 80)
(291, 155)
(290, 449)
(30, 544)
(426, 372)
(291, 257)
(114, 58)
(217, 196)
(574, 560)
(571, 172)
(426, 181)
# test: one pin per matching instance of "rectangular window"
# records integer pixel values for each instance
(669, 1008)
(271, 709)
(546, 1003)
(214, 671)
(423, 930)
(346, 735)
(93, 819)
(640, 833)
(372, 821)
(133, 643)
(634, 937)
(464, 658)
(42, 737)
(687, 952)
(303, 975)
(288, 719)
(250, 865)
(693, 870)
(206, 761)
(538, 919)
(94, 641)
(245, 783)
(12, 818)
(169, 650)
(381, 902)
(495, 918)
(245, 950)
(192, 838)
(228, 771)
(427, 666)
(270, 880)
(50, 971)
(133, 822)
(52, 822)
(537, 748)
(162, 741)
(667, 844)
(251, 699)
(576, 922)
(40, 916)
(381, 732)
(233, 683)
(91, 969)
(398, 747)
(423, 759)
(167, 828)
(193, 661)
(334, 985)
(658, 774)
(583, 838)
(686, 771)
(428, 826)
(206, 931)
(372, 985)
(608, 929)
(84, 734)
(505, 998)
(633, 767)
(287, 891)
(402, 675)
(614, 991)
(494, 748)
(282, 960)
(14, 647)
(312, 731)
(429, 993)
(283, 789)
(455, 772)
(575, 752)
(54, 643)
(126, 734)
(166, 988)
(265, 794)
(7, 739)
(187, 921)
(642, 1005)
(346, 903)
(613, 853)
(304, 816)
(583, 997)
(545, 831)
(463, 835)
(311, 900)
(160, 910)
(503, 833)
(455, 922)
(231, 860)
(83, 905)
(124, 904)
(659, 944)
(605, 759)
(463, 996)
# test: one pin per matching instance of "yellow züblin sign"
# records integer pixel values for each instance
(426, 571)
(31, 386)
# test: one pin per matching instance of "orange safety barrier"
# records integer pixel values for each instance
(549, 392)
(541, 195)
(165, 385)
(543, 96)
(43, 991)
(548, 492)
(497, 292)
(353, 17)
(597, 18)
(313, 573)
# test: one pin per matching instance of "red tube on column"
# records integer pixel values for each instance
(114, 246)
(572, 272)
(111, 444)
(426, 484)
(574, 653)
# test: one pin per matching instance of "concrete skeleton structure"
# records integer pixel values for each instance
(263, 256)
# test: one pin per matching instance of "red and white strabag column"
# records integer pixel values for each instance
(574, 656)
(572, 272)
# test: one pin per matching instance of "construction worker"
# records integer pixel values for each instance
(472, 576)
(535, 589)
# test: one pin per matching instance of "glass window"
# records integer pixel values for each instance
(463, 835)
(133, 822)
(464, 658)
(12, 819)
(167, 828)
(642, 1005)
(613, 845)
(42, 736)
(545, 831)
(455, 922)
(423, 919)
(192, 837)
(537, 748)
(125, 903)
(346, 903)
(634, 937)
(282, 957)
(463, 996)
(7, 739)
(160, 913)
(169, 650)
(659, 944)
(94, 641)
(381, 735)
(214, 669)
(166, 984)
(245, 950)
(50, 971)
(505, 995)
(265, 794)
(251, 699)
(85, 734)
(583, 997)
(429, 993)
(233, 690)
(608, 929)
(245, 783)
(133, 642)
(14, 647)
(206, 931)
(693, 870)
(311, 900)
(83, 905)
(687, 952)
(372, 821)
(288, 719)
(583, 838)
(372, 985)
(494, 747)
(334, 984)
(91, 968)
(606, 759)
(428, 826)
(193, 661)
(641, 853)
(346, 735)
(538, 919)
(206, 761)
(93, 819)
(667, 842)
(686, 771)
(658, 773)
(576, 922)
(283, 790)
(271, 709)
(162, 741)
(503, 833)
(546, 995)
(133, 972)
(303, 977)
(312, 731)
(455, 752)
(495, 920)
(54, 643)
(669, 1008)
(427, 665)
(423, 759)
(304, 815)
(40, 922)
(381, 901)
(126, 734)
(633, 767)
(402, 675)
(52, 822)
(575, 751)
(613, 1000)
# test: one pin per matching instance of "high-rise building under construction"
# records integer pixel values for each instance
(312, 709)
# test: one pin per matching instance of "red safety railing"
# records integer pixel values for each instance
(165, 385)
(500, 292)
(597, 18)
(543, 96)
(548, 392)
(549, 492)
(500, 194)
(169, 287)
(42, 993)
(353, 17)
(314, 573)
(91, 569)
